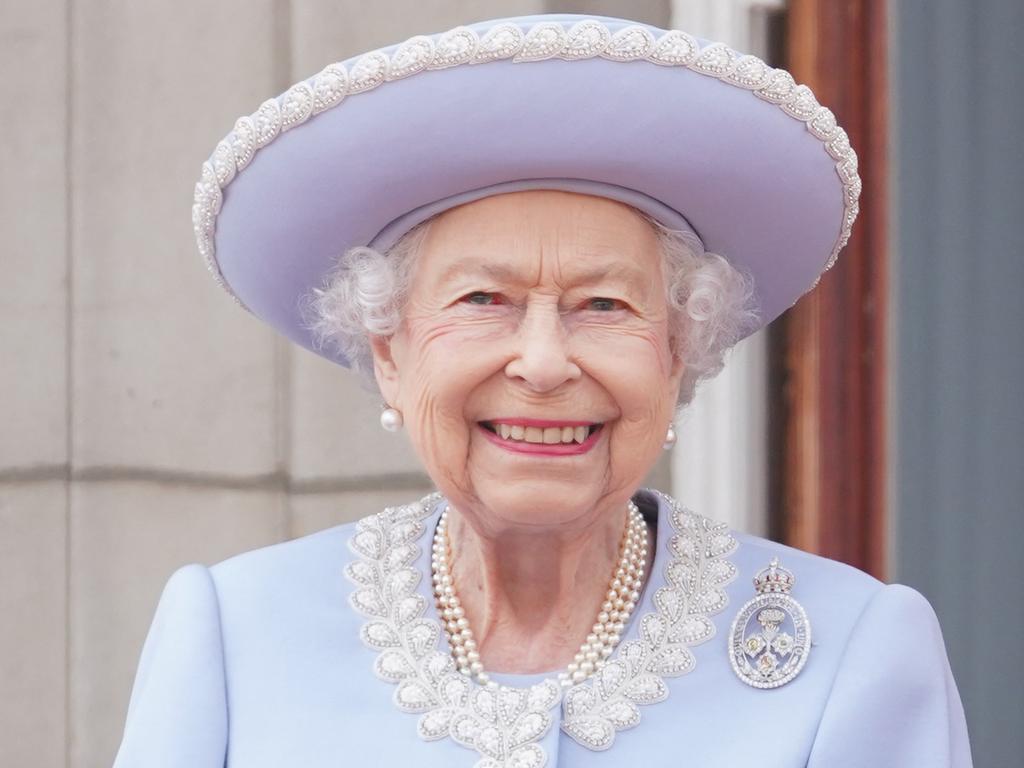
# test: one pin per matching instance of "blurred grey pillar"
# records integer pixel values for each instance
(719, 466)
(957, 406)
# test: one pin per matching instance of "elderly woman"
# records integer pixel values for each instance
(532, 284)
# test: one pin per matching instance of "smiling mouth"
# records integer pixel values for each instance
(566, 434)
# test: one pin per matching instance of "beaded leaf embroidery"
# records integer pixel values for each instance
(696, 575)
(503, 725)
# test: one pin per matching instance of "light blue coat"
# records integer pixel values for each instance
(258, 662)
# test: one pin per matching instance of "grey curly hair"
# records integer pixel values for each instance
(711, 302)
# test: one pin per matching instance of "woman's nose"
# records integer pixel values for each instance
(542, 360)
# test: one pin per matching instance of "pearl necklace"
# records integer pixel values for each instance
(620, 600)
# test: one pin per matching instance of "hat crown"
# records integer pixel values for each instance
(703, 137)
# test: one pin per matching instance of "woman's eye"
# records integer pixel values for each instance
(601, 304)
(482, 298)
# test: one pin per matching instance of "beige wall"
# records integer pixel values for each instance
(145, 421)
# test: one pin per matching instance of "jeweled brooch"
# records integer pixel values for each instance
(771, 635)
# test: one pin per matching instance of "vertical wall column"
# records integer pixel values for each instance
(174, 450)
(719, 465)
(33, 384)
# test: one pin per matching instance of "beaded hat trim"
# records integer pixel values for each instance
(463, 46)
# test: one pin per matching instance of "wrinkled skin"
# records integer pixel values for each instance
(547, 305)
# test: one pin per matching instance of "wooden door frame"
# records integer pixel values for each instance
(829, 378)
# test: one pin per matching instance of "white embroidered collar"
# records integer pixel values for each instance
(504, 725)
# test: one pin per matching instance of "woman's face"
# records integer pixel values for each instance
(533, 364)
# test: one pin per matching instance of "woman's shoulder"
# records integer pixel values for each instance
(815, 577)
(302, 565)
(878, 664)
(838, 597)
(304, 556)
(756, 552)
(278, 569)
(273, 600)
(288, 554)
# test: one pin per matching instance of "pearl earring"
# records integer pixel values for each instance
(391, 419)
(670, 438)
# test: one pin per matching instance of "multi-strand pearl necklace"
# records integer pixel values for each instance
(620, 600)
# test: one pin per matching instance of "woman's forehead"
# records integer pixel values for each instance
(506, 232)
(541, 209)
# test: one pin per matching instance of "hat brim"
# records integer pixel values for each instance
(748, 159)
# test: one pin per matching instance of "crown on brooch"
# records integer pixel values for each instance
(774, 579)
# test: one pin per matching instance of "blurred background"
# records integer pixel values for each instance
(146, 422)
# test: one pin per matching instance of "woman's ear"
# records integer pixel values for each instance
(385, 370)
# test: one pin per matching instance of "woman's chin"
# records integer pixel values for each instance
(538, 501)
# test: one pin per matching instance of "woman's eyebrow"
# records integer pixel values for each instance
(629, 275)
(473, 267)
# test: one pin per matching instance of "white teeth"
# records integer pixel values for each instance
(544, 435)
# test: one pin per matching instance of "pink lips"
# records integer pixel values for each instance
(544, 449)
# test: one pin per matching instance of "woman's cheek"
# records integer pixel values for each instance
(439, 433)
(634, 365)
(644, 351)
(445, 359)
(453, 328)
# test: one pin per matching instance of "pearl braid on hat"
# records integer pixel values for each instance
(620, 600)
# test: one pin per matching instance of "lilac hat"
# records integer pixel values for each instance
(694, 134)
